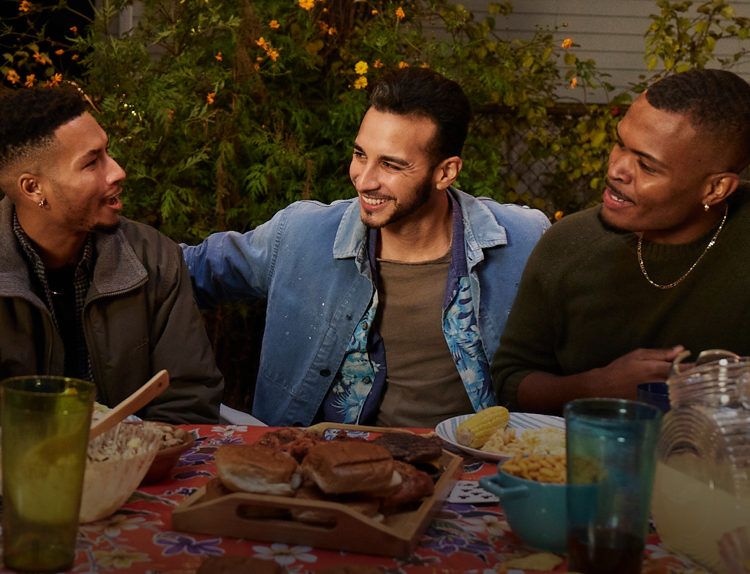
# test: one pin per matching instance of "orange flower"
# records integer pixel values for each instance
(567, 43)
(573, 83)
(39, 58)
(54, 80)
(274, 25)
(25, 6)
(170, 114)
(29, 83)
(558, 215)
(256, 66)
(306, 4)
(218, 56)
(332, 30)
(424, 65)
(377, 64)
(210, 98)
(400, 13)
(74, 29)
(13, 77)
(74, 57)
(323, 26)
(374, 12)
(403, 65)
(60, 52)
(262, 43)
(273, 54)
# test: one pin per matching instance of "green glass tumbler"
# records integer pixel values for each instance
(611, 456)
(45, 431)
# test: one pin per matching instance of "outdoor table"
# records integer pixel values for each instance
(462, 538)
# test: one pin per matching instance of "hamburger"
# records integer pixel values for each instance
(257, 469)
(340, 467)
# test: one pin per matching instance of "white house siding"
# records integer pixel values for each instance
(612, 33)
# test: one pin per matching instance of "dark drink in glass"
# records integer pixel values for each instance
(603, 551)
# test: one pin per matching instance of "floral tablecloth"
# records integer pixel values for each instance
(463, 538)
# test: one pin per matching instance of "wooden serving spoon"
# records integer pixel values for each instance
(139, 399)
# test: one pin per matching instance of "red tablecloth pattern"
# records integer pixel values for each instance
(463, 538)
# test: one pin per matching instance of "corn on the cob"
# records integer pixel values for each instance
(475, 430)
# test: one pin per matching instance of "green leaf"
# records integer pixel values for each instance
(598, 139)
(569, 59)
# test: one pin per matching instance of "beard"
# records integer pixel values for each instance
(405, 208)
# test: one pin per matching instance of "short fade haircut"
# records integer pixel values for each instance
(424, 92)
(715, 101)
(29, 118)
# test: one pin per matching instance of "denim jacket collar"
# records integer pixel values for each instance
(486, 232)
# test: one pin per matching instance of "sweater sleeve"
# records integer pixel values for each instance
(528, 342)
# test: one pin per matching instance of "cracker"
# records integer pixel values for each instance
(541, 562)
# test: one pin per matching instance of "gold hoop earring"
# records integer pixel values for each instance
(706, 207)
(42, 203)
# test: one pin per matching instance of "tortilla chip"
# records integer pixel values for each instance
(541, 562)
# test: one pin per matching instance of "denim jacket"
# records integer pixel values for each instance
(310, 262)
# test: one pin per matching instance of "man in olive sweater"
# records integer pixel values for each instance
(612, 294)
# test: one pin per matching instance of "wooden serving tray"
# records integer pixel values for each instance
(396, 535)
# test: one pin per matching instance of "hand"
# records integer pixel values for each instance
(622, 376)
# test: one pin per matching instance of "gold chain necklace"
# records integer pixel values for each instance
(710, 244)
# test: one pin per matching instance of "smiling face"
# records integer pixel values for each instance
(83, 184)
(392, 168)
(659, 176)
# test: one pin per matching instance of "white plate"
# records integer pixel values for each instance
(446, 430)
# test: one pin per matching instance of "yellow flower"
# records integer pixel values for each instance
(403, 65)
(13, 77)
(273, 54)
(274, 24)
(60, 52)
(558, 215)
(29, 83)
(218, 56)
(210, 98)
(424, 65)
(25, 6)
(360, 83)
(573, 83)
(54, 80)
(306, 4)
(400, 13)
(262, 43)
(361, 68)
(567, 43)
(332, 30)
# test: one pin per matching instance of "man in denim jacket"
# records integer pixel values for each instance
(412, 269)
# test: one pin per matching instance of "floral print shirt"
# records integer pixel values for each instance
(355, 393)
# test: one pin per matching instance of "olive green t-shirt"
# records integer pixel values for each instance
(423, 386)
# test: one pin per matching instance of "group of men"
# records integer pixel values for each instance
(408, 304)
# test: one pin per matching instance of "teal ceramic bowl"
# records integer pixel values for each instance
(535, 511)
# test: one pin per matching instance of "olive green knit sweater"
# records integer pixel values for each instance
(583, 301)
